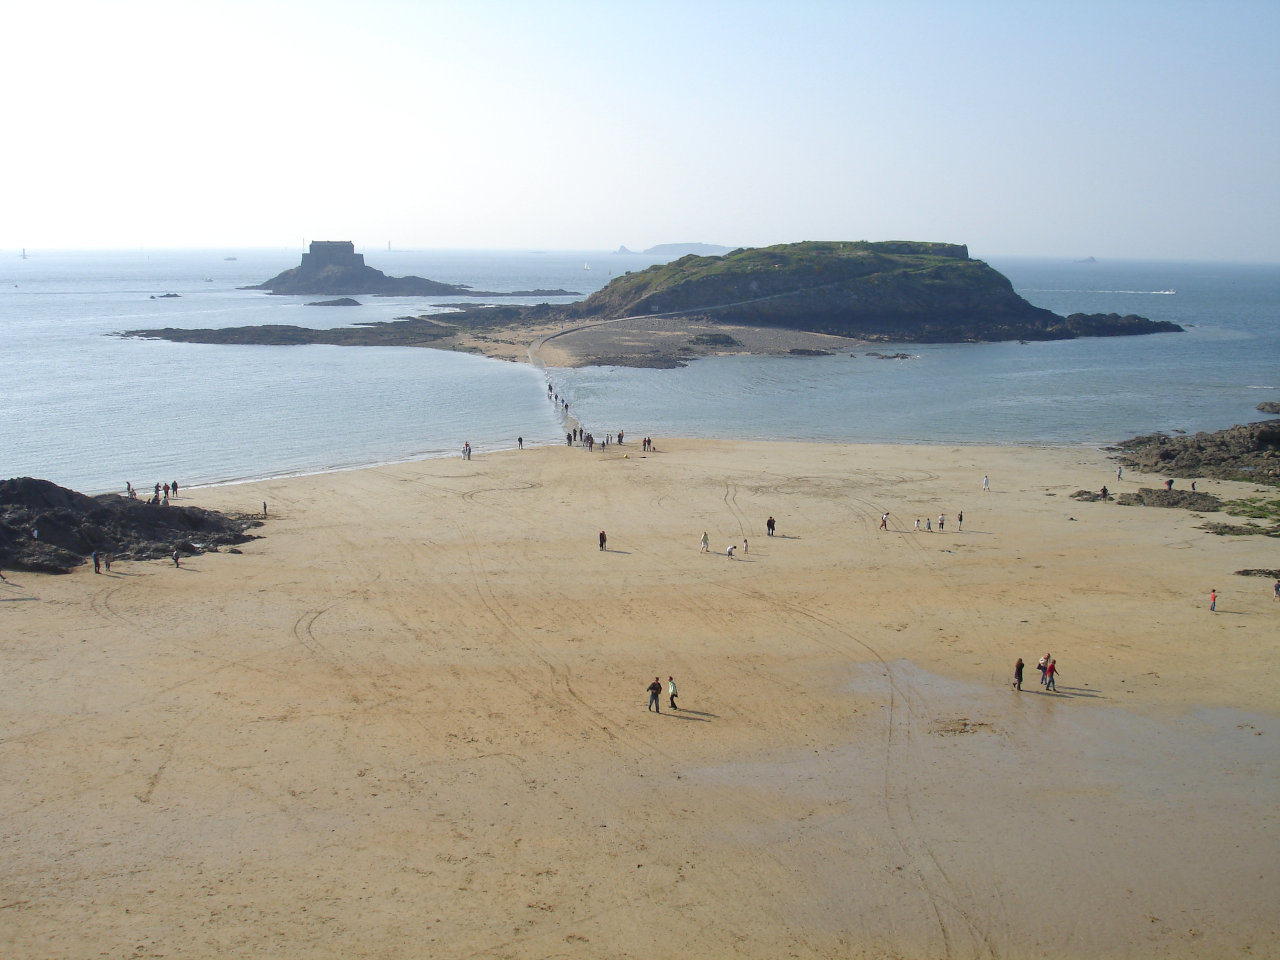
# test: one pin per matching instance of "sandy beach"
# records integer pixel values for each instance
(410, 720)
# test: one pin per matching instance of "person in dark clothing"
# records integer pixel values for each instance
(655, 691)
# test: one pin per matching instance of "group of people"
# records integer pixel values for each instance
(655, 694)
(928, 522)
(732, 549)
(1048, 668)
(166, 488)
(588, 440)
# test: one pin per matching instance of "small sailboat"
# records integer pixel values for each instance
(586, 266)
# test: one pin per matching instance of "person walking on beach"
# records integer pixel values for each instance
(603, 539)
(942, 519)
(1051, 676)
(655, 691)
(928, 525)
(1017, 675)
(175, 559)
(264, 508)
(917, 527)
(960, 521)
(769, 525)
(1213, 600)
(672, 693)
(706, 543)
(746, 548)
(1275, 591)
(986, 484)
(884, 521)
(97, 562)
(1042, 666)
(174, 487)
(729, 552)
(519, 443)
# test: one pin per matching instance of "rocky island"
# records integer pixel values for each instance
(899, 291)
(790, 299)
(333, 268)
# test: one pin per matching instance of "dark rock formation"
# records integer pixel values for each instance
(1180, 499)
(1249, 452)
(340, 302)
(333, 267)
(1269, 406)
(72, 525)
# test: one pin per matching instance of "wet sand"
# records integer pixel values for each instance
(410, 721)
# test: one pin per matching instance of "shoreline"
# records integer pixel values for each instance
(423, 689)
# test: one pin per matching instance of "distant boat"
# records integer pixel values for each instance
(24, 253)
(208, 279)
(586, 266)
(228, 258)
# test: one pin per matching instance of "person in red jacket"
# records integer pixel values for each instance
(1051, 676)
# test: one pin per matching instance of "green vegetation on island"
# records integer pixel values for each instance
(899, 291)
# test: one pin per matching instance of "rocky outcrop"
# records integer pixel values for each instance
(332, 267)
(50, 529)
(340, 302)
(1269, 406)
(1178, 499)
(1248, 451)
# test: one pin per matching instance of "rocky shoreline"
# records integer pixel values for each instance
(1248, 452)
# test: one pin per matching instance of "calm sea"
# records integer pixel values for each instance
(90, 411)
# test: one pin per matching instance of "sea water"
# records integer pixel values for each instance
(90, 410)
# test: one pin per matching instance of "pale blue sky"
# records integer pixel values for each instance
(1119, 130)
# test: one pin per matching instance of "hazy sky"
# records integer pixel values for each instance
(1113, 129)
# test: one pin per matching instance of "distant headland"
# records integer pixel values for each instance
(799, 294)
(333, 268)
(680, 250)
